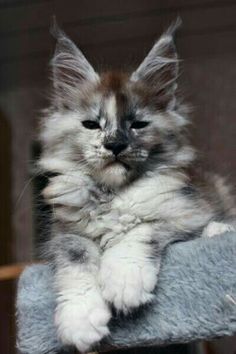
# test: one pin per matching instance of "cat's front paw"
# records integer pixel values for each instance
(127, 285)
(217, 228)
(82, 321)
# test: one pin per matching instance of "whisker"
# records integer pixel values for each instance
(27, 184)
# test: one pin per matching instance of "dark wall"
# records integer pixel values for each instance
(110, 32)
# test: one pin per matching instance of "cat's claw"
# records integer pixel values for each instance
(127, 285)
(83, 322)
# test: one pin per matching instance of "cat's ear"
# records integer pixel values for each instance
(70, 68)
(159, 70)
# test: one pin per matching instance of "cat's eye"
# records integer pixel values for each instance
(91, 124)
(139, 124)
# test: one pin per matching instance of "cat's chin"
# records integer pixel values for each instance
(114, 175)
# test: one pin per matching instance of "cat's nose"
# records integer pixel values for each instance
(116, 147)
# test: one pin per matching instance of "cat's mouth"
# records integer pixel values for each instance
(116, 161)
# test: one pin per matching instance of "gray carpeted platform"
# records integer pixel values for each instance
(195, 299)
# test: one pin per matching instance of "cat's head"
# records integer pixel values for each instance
(115, 125)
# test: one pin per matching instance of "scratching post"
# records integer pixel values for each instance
(195, 299)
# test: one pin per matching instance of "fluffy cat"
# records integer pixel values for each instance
(116, 147)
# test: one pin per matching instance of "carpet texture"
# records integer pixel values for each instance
(195, 299)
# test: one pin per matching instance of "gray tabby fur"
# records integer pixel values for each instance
(121, 189)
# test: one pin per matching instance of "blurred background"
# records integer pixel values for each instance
(112, 34)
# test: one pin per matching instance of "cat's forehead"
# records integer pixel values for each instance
(117, 88)
(116, 97)
(113, 81)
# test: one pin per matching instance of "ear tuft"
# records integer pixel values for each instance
(70, 68)
(160, 67)
(174, 27)
(54, 28)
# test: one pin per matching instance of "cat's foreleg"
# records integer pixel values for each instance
(129, 269)
(81, 315)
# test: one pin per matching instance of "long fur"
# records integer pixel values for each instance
(121, 191)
